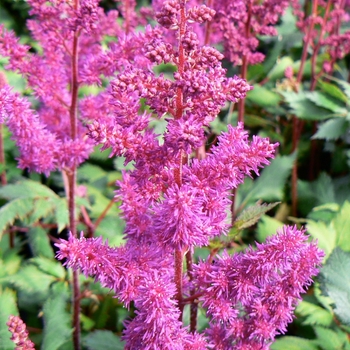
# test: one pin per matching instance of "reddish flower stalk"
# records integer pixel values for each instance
(72, 179)
(2, 153)
(244, 67)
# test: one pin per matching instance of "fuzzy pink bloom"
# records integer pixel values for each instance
(251, 296)
(38, 147)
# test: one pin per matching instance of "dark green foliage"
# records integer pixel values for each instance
(335, 283)
(103, 340)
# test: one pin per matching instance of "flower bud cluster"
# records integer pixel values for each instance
(19, 334)
(158, 52)
(167, 17)
(241, 22)
(200, 14)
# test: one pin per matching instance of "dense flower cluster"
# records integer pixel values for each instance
(171, 201)
(250, 297)
(19, 334)
(57, 27)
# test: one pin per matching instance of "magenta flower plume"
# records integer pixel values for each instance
(120, 269)
(58, 27)
(251, 296)
(37, 145)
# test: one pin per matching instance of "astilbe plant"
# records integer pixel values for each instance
(171, 202)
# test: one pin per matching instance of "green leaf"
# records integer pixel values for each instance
(332, 129)
(118, 163)
(262, 96)
(10, 263)
(341, 224)
(39, 242)
(86, 323)
(7, 307)
(293, 343)
(100, 155)
(303, 108)
(31, 283)
(332, 90)
(57, 329)
(251, 215)
(267, 226)
(42, 207)
(323, 189)
(105, 340)
(345, 85)
(112, 228)
(342, 189)
(324, 213)
(269, 186)
(325, 235)
(16, 209)
(61, 214)
(27, 188)
(335, 283)
(50, 267)
(91, 173)
(314, 314)
(329, 339)
(99, 202)
(277, 72)
(328, 102)
(322, 299)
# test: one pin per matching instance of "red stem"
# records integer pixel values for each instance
(314, 78)
(208, 26)
(4, 179)
(72, 174)
(317, 48)
(103, 214)
(194, 304)
(296, 122)
(126, 14)
(307, 41)
(2, 157)
(178, 255)
(244, 68)
(241, 103)
(178, 279)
